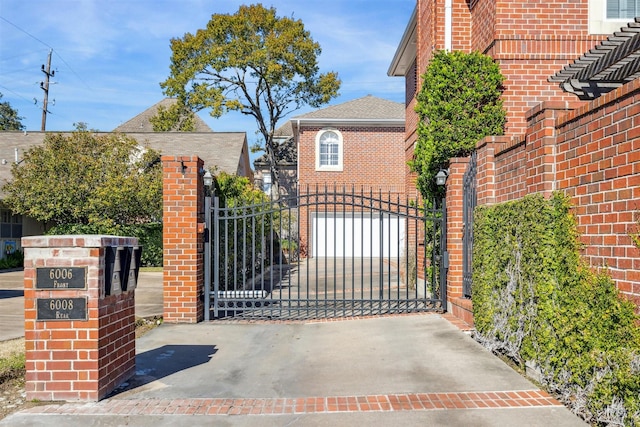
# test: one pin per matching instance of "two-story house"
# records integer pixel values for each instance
(531, 42)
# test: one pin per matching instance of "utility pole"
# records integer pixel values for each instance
(45, 87)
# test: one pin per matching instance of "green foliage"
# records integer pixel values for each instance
(13, 260)
(175, 118)
(9, 118)
(458, 105)
(535, 299)
(245, 230)
(83, 178)
(635, 234)
(254, 62)
(149, 237)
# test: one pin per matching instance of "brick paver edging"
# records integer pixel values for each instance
(306, 405)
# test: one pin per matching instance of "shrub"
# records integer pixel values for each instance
(149, 237)
(536, 300)
(458, 105)
(13, 260)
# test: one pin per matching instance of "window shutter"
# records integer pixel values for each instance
(613, 9)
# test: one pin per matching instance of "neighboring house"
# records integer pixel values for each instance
(354, 146)
(224, 151)
(529, 43)
(532, 44)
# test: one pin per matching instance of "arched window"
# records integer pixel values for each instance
(329, 147)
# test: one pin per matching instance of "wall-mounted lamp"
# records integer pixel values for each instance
(184, 167)
(208, 180)
(441, 177)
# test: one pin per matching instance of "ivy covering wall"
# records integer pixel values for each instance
(537, 302)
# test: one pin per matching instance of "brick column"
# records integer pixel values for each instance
(460, 307)
(182, 235)
(541, 146)
(79, 336)
(486, 168)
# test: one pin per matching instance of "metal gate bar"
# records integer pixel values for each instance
(252, 276)
(469, 200)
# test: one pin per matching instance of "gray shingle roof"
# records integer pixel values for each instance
(365, 108)
(221, 149)
(141, 123)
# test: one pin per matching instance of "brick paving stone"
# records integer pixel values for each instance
(308, 405)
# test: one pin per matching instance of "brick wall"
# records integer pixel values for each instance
(371, 158)
(530, 42)
(591, 152)
(510, 167)
(182, 235)
(598, 165)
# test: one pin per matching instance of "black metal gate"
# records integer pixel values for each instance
(468, 205)
(323, 254)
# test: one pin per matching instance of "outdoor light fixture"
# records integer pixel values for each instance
(441, 177)
(208, 179)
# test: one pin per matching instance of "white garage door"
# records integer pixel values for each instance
(356, 235)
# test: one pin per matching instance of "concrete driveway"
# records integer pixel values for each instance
(395, 370)
(405, 370)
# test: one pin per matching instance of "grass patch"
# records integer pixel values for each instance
(12, 360)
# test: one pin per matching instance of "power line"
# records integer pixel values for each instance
(24, 31)
(20, 96)
(72, 70)
(50, 47)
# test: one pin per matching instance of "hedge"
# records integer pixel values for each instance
(149, 237)
(536, 301)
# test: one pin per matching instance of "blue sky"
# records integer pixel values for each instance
(110, 56)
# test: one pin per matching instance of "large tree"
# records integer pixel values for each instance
(458, 105)
(254, 62)
(82, 178)
(9, 118)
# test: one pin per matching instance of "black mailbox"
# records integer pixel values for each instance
(122, 265)
(134, 268)
(113, 270)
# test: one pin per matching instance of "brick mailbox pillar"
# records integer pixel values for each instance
(79, 315)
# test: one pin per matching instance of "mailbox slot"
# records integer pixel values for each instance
(122, 265)
(134, 268)
(113, 270)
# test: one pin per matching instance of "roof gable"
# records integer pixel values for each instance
(142, 123)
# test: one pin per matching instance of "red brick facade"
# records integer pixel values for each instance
(592, 154)
(182, 235)
(373, 160)
(530, 42)
(76, 360)
(553, 141)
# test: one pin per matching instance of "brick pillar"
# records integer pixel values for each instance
(460, 307)
(79, 337)
(486, 168)
(182, 235)
(541, 146)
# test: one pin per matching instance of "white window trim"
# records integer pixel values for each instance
(340, 166)
(598, 22)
